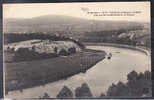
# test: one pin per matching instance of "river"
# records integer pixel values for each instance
(99, 77)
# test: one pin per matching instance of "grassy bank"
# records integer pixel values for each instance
(26, 74)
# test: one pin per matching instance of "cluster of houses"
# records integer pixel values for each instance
(43, 46)
(130, 35)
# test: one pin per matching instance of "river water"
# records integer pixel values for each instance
(99, 77)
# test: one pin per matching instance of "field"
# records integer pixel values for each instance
(26, 74)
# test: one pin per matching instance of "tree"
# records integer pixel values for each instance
(65, 93)
(137, 85)
(132, 76)
(147, 75)
(102, 95)
(118, 90)
(55, 50)
(46, 95)
(83, 91)
(63, 52)
(72, 50)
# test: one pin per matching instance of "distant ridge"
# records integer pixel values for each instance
(57, 23)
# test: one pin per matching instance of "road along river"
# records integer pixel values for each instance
(99, 77)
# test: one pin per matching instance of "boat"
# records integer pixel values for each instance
(109, 56)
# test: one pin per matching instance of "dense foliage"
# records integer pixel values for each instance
(135, 37)
(138, 84)
(17, 37)
(24, 54)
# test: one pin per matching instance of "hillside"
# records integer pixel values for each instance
(55, 23)
(134, 33)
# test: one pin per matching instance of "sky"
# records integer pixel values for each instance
(29, 10)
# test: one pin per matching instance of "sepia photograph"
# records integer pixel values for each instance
(77, 50)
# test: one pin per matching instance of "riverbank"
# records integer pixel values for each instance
(27, 74)
(98, 78)
(147, 51)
